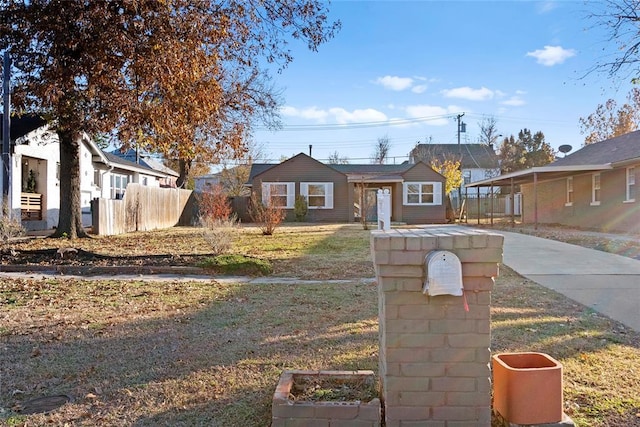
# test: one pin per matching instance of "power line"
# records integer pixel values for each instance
(359, 125)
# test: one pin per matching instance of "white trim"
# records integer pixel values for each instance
(328, 194)
(596, 189)
(630, 180)
(569, 191)
(290, 190)
(436, 193)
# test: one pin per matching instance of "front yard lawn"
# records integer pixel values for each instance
(175, 353)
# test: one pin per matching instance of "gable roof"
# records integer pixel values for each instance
(118, 161)
(22, 125)
(144, 160)
(474, 156)
(370, 169)
(354, 172)
(613, 150)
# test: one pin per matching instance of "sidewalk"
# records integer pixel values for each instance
(607, 283)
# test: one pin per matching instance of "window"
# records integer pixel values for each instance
(631, 185)
(569, 201)
(118, 185)
(595, 189)
(319, 195)
(422, 193)
(466, 177)
(97, 175)
(279, 194)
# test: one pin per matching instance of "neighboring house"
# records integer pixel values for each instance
(35, 174)
(204, 183)
(167, 177)
(342, 193)
(594, 187)
(477, 161)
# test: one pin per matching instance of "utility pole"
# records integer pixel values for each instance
(6, 134)
(462, 127)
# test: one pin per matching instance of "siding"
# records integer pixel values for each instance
(421, 214)
(611, 215)
(302, 168)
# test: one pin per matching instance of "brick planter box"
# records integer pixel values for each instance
(287, 412)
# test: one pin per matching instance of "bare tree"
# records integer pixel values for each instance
(488, 131)
(336, 159)
(382, 150)
(621, 18)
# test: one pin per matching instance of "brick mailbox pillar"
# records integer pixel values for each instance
(434, 350)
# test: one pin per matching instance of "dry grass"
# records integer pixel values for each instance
(133, 353)
(600, 357)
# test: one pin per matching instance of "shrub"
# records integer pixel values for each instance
(268, 217)
(219, 233)
(214, 204)
(300, 208)
(9, 227)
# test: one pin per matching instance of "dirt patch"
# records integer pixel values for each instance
(80, 257)
(314, 388)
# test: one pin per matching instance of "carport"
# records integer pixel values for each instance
(531, 176)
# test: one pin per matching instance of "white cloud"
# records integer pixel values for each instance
(514, 101)
(546, 6)
(552, 55)
(468, 93)
(419, 88)
(440, 114)
(343, 116)
(311, 113)
(335, 115)
(394, 82)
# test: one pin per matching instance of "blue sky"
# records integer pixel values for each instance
(405, 69)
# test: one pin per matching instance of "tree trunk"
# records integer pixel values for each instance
(70, 220)
(185, 166)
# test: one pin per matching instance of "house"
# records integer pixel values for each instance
(167, 178)
(594, 187)
(343, 193)
(34, 188)
(477, 161)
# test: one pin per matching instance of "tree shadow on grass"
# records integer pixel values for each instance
(187, 355)
(598, 354)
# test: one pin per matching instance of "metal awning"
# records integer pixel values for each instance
(533, 176)
(540, 173)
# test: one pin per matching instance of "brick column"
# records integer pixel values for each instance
(434, 355)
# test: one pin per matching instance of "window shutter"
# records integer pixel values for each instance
(265, 193)
(404, 193)
(328, 201)
(304, 190)
(291, 194)
(437, 193)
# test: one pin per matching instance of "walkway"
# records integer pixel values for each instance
(608, 283)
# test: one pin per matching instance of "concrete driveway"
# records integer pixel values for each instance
(608, 283)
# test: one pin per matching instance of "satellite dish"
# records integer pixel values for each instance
(564, 149)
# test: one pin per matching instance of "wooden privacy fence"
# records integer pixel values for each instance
(143, 208)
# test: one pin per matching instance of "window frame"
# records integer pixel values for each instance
(289, 193)
(630, 181)
(596, 189)
(436, 193)
(569, 192)
(117, 191)
(328, 194)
